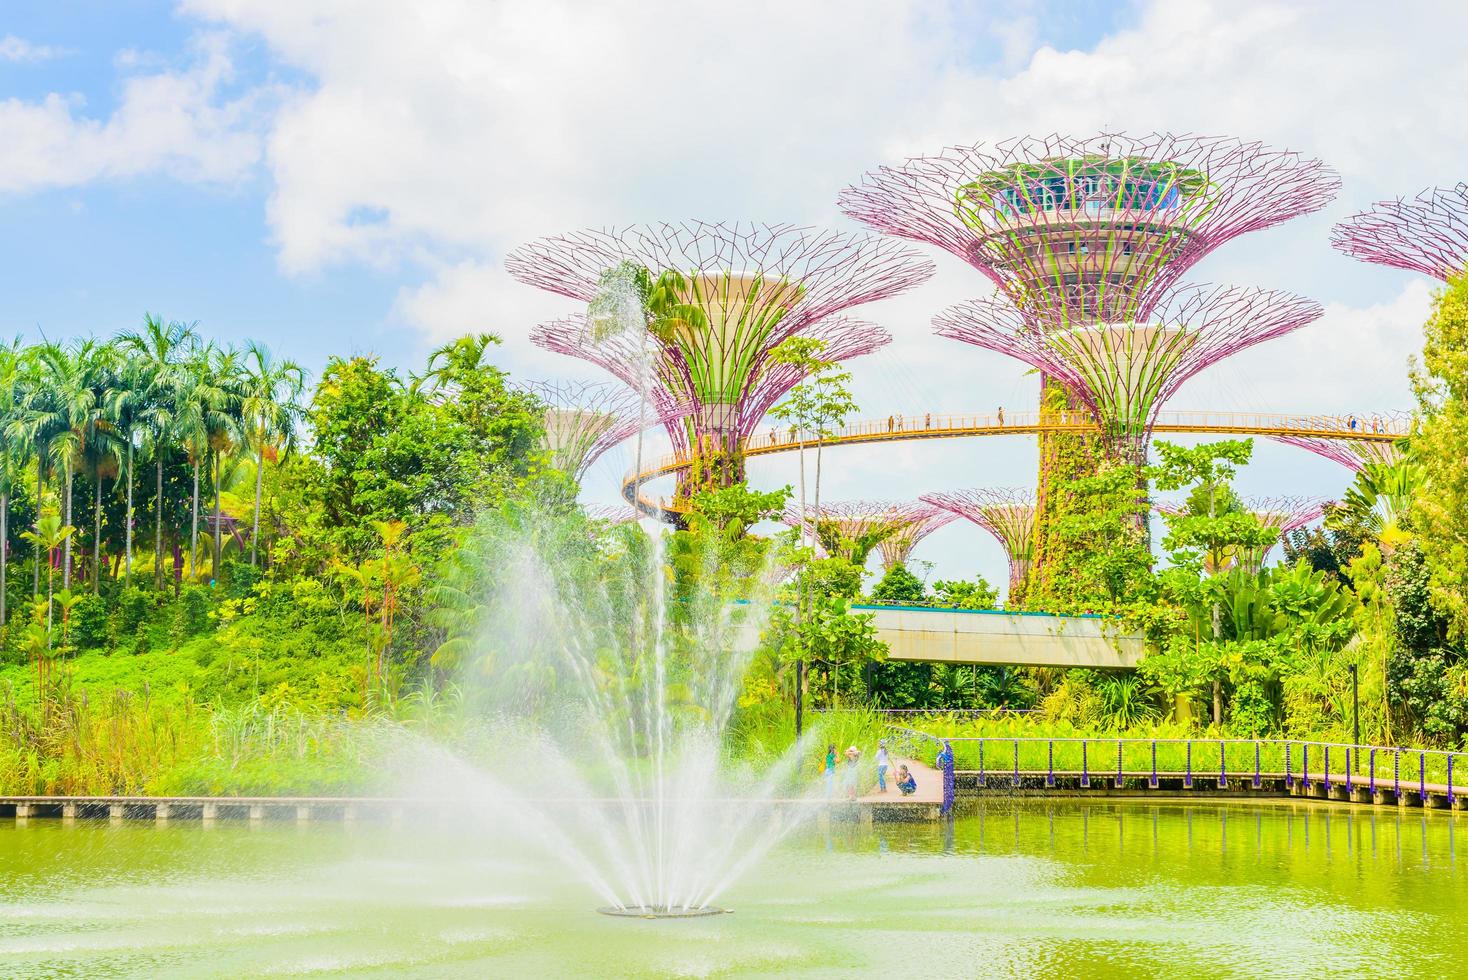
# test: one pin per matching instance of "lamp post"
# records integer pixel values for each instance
(1355, 719)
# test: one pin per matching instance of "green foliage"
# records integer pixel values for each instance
(899, 587)
(1102, 558)
(963, 594)
(738, 505)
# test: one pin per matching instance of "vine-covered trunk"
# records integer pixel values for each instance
(194, 526)
(97, 536)
(66, 545)
(127, 534)
(259, 477)
(158, 528)
(40, 486)
(218, 529)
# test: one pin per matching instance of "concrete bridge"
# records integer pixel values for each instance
(993, 636)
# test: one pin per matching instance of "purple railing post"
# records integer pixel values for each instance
(1222, 776)
(983, 779)
(1422, 778)
(1289, 779)
(1050, 763)
(1153, 781)
(1325, 776)
(1371, 778)
(1397, 773)
(1016, 763)
(1257, 782)
(1085, 773)
(1188, 776)
(1305, 765)
(1450, 780)
(950, 783)
(1119, 781)
(1348, 772)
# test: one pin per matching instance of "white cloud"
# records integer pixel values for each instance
(171, 122)
(18, 49)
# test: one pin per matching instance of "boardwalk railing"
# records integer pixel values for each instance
(1307, 765)
(1375, 427)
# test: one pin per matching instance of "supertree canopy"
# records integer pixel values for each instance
(1353, 454)
(1008, 513)
(852, 528)
(1124, 371)
(729, 293)
(1092, 228)
(922, 520)
(612, 514)
(583, 419)
(1426, 234)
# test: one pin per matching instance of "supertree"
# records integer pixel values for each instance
(1353, 454)
(583, 419)
(1123, 372)
(1426, 234)
(728, 294)
(852, 528)
(922, 520)
(613, 514)
(1077, 232)
(1094, 228)
(1008, 513)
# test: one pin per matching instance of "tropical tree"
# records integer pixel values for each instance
(224, 430)
(161, 347)
(270, 409)
(12, 452)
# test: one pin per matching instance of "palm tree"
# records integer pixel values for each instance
(31, 429)
(100, 448)
(199, 401)
(131, 411)
(12, 452)
(224, 426)
(160, 347)
(270, 410)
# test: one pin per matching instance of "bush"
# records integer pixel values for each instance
(89, 623)
(192, 610)
(133, 607)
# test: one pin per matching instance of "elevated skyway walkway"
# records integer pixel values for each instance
(997, 637)
(1383, 428)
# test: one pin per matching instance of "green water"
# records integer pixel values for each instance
(1063, 889)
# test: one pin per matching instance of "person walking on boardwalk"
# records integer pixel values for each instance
(852, 774)
(882, 763)
(1001, 416)
(830, 771)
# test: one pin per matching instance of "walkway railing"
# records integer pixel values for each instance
(1001, 761)
(1376, 427)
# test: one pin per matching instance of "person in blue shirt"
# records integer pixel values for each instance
(906, 781)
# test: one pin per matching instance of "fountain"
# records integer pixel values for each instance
(611, 668)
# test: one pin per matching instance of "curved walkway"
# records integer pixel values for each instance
(902, 428)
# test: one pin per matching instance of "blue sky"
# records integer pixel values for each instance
(338, 178)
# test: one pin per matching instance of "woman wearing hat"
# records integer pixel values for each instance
(853, 757)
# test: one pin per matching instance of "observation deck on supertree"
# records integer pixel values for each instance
(583, 419)
(730, 294)
(1427, 233)
(1095, 228)
(1008, 513)
(852, 528)
(922, 520)
(1124, 372)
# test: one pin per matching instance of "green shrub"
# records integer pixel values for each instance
(89, 626)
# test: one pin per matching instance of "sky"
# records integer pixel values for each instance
(336, 177)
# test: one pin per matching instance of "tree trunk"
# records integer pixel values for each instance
(127, 534)
(97, 536)
(194, 528)
(40, 486)
(4, 551)
(259, 476)
(158, 528)
(218, 529)
(1217, 683)
(66, 545)
(799, 691)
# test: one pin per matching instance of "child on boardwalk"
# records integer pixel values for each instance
(853, 757)
(906, 781)
(882, 765)
(830, 771)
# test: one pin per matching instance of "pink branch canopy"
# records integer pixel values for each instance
(1427, 233)
(583, 419)
(659, 370)
(1096, 227)
(854, 519)
(897, 547)
(1125, 372)
(1008, 513)
(1353, 454)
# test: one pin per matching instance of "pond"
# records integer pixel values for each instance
(1010, 888)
